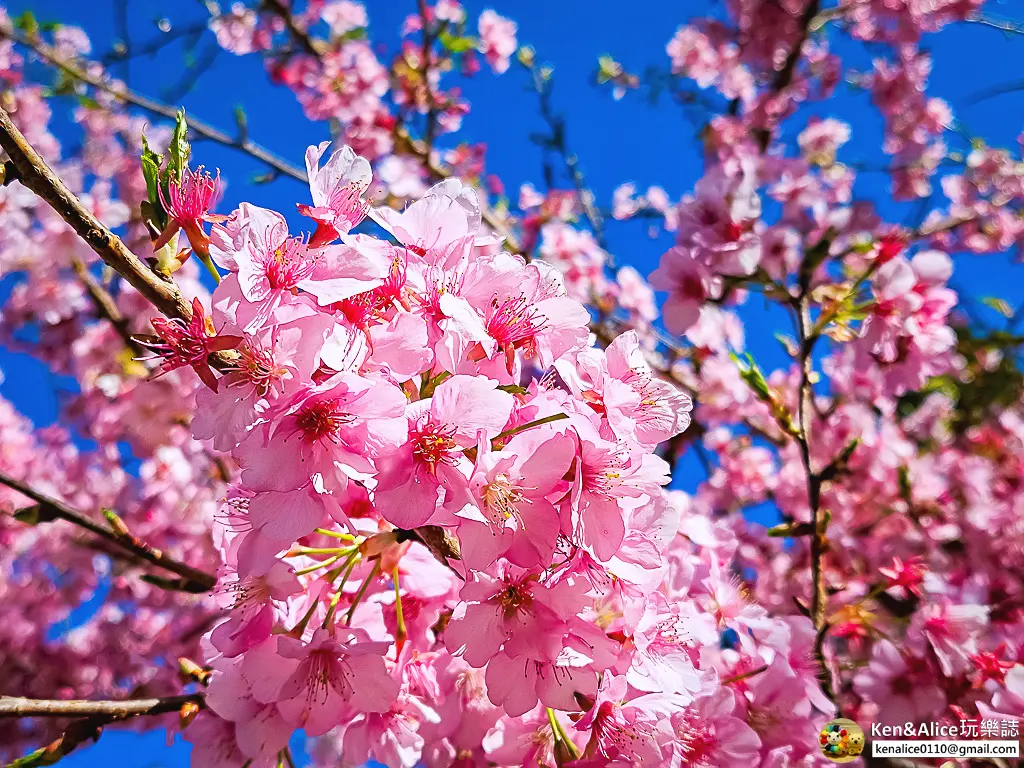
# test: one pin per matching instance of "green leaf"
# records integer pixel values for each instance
(456, 43)
(179, 148)
(27, 23)
(28, 515)
(514, 389)
(903, 476)
(242, 121)
(752, 375)
(151, 162)
(1002, 306)
(88, 101)
(359, 33)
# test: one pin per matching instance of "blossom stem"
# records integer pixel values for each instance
(745, 675)
(362, 591)
(347, 569)
(529, 425)
(210, 266)
(317, 550)
(400, 631)
(560, 735)
(335, 534)
(318, 566)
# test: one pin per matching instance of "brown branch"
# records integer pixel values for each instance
(36, 175)
(93, 716)
(784, 76)
(11, 706)
(428, 41)
(299, 35)
(106, 307)
(81, 72)
(193, 579)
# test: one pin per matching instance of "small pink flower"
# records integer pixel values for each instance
(192, 344)
(337, 191)
(318, 683)
(188, 201)
(497, 40)
(907, 575)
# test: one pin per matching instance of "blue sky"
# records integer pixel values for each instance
(628, 140)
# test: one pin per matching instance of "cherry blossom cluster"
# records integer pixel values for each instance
(424, 439)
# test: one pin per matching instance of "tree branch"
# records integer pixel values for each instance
(106, 307)
(299, 35)
(12, 706)
(785, 75)
(193, 579)
(36, 175)
(93, 716)
(198, 127)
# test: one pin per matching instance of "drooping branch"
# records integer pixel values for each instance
(82, 73)
(106, 307)
(191, 579)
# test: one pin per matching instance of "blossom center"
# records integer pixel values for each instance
(322, 420)
(434, 444)
(289, 264)
(513, 321)
(502, 499)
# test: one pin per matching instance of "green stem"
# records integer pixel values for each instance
(745, 675)
(362, 591)
(560, 735)
(210, 266)
(348, 567)
(336, 534)
(318, 566)
(529, 425)
(399, 616)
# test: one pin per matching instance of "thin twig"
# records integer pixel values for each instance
(106, 307)
(92, 717)
(284, 12)
(194, 580)
(81, 72)
(430, 130)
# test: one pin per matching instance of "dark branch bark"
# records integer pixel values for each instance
(193, 579)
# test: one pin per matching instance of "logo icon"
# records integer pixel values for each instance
(842, 740)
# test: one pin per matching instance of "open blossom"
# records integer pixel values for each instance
(178, 344)
(314, 684)
(337, 191)
(188, 201)
(431, 460)
(497, 39)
